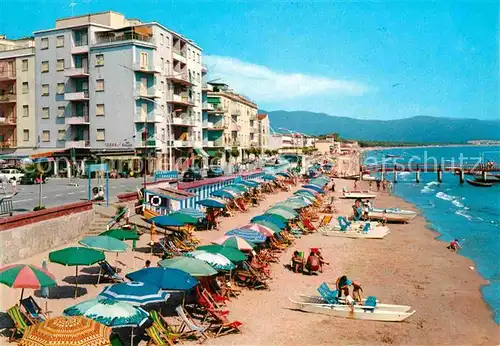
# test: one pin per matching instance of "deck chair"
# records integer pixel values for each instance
(327, 294)
(325, 221)
(156, 337)
(109, 272)
(366, 228)
(223, 325)
(20, 321)
(33, 310)
(162, 327)
(343, 223)
(189, 324)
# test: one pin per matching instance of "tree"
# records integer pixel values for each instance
(235, 152)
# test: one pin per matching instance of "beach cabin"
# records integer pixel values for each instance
(162, 199)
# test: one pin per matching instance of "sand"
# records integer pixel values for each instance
(408, 267)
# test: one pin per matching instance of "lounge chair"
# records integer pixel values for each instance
(343, 223)
(21, 322)
(162, 326)
(33, 310)
(109, 272)
(156, 337)
(366, 228)
(224, 326)
(325, 221)
(187, 323)
(329, 296)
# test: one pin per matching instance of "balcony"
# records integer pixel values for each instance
(80, 47)
(218, 109)
(109, 37)
(76, 72)
(236, 111)
(181, 100)
(207, 125)
(235, 143)
(207, 87)
(235, 127)
(77, 120)
(149, 68)
(76, 96)
(8, 121)
(77, 144)
(153, 117)
(8, 98)
(218, 126)
(151, 93)
(182, 121)
(207, 107)
(219, 142)
(7, 75)
(252, 129)
(208, 144)
(179, 56)
(149, 143)
(180, 78)
(9, 143)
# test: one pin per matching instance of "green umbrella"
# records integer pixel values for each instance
(76, 256)
(122, 234)
(104, 243)
(283, 213)
(290, 205)
(26, 276)
(187, 219)
(268, 224)
(234, 255)
(236, 188)
(277, 217)
(192, 266)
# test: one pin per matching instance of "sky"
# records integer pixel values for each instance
(368, 60)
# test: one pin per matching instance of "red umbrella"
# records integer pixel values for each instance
(259, 228)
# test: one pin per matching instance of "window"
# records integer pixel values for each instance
(198, 57)
(60, 41)
(60, 65)
(45, 112)
(45, 43)
(162, 62)
(25, 87)
(99, 110)
(162, 86)
(61, 135)
(101, 135)
(26, 111)
(45, 66)
(45, 90)
(167, 41)
(99, 60)
(99, 85)
(26, 135)
(198, 77)
(144, 61)
(189, 53)
(60, 88)
(161, 39)
(24, 65)
(45, 136)
(60, 111)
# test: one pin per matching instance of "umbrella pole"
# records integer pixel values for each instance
(22, 292)
(132, 337)
(76, 281)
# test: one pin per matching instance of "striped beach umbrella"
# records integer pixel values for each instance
(232, 254)
(249, 235)
(275, 228)
(314, 188)
(197, 213)
(135, 293)
(250, 183)
(303, 191)
(285, 213)
(193, 266)
(212, 203)
(301, 199)
(235, 242)
(268, 232)
(217, 261)
(26, 276)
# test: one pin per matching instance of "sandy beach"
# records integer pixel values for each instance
(408, 267)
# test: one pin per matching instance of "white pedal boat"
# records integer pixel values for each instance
(358, 195)
(392, 214)
(381, 312)
(374, 233)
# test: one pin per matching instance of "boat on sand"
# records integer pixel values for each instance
(392, 214)
(358, 195)
(378, 312)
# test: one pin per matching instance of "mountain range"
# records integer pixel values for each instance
(417, 129)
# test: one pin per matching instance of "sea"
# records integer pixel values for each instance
(456, 211)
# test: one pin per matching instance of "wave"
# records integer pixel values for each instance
(464, 214)
(444, 196)
(428, 187)
(457, 204)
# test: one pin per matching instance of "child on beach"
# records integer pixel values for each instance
(356, 291)
(454, 245)
(384, 218)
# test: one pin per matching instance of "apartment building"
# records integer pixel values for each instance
(17, 95)
(263, 130)
(231, 120)
(110, 86)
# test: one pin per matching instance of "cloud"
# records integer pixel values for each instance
(261, 83)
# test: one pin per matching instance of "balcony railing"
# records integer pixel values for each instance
(80, 47)
(208, 144)
(235, 142)
(149, 68)
(181, 99)
(77, 120)
(236, 111)
(9, 143)
(7, 98)
(147, 143)
(179, 55)
(208, 125)
(179, 77)
(78, 144)
(102, 39)
(220, 125)
(151, 92)
(77, 72)
(207, 106)
(183, 121)
(7, 75)
(219, 142)
(76, 96)
(8, 120)
(153, 117)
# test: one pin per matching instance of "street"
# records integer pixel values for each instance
(58, 191)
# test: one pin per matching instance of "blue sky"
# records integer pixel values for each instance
(371, 60)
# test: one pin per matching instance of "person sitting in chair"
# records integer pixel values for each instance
(297, 262)
(313, 263)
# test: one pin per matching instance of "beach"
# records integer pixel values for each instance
(408, 267)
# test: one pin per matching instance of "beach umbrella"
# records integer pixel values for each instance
(173, 219)
(234, 242)
(290, 205)
(217, 261)
(135, 293)
(284, 174)
(76, 256)
(104, 243)
(110, 312)
(121, 234)
(240, 186)
(268, 224)
(211, 203)
(268, 232)
(288, 214)
(236, 188)
(232, 254)
(250, 183)
(318, 181)
(268, 177)
(67, 331)
(285, 208)
(26, 276)
(224, 194)
(314, 188)
(197, 213)
(279, 221)
(164, 278)
(306, 195)
(193, 266)
(307, 200)
(305, 191)
(249, 235)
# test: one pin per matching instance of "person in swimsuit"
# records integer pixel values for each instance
(342, 284)
(313, 263)
(454, 245)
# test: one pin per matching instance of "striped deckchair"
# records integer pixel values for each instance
(20, 322)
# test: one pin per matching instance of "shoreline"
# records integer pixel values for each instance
(363, 149)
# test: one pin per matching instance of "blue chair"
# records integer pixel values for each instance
(343, 223)
(327, 294)
(358, 215)
(370, 303)
(366, 228)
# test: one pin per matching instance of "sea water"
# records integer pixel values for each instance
(462, 211)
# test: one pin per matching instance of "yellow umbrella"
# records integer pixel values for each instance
(67, 331)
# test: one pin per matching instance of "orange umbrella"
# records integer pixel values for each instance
(67, 331)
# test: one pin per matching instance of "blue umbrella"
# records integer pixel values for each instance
(268, 177)
(135, 293)
(236, 188)
(164, 278)
(302, 191)
(197, 213)
(249, 235)
(224, 194)
(211, 203)
(278, 210)
(167, 220)
(250, 183)
(313, 187)
(278, 221)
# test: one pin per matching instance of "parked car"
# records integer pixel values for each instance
(191, 174)
(10, 174)
(215, 171)
(30, 178)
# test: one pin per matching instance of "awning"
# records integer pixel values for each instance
(45, 153)
(170, 193)
(31, 153)
(121, 157)
(212, 152)
(201, 152)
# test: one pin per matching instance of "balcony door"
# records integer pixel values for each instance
(144, 61)
(144, 111)
(144, 86)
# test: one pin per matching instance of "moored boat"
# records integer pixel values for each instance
(387, 307)
(479, 183)
(392, 214)
(358, 195)
(367, 177)
(358, 312)
(490, 178)
(375, 233)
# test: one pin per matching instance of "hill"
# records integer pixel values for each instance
(418, 129)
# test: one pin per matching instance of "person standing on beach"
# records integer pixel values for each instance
(378, 185)
(384, 185)
(355, 184)
(389, 187)
(333, 185)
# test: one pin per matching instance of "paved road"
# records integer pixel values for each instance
(57, 191)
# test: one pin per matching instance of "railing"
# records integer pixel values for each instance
(76, 71)
(8, 98)
(150, 67)
(208, 144)
(149, 117)
(186, 120)
(5, 75)
(179, 55)
(208, 124)
(78, 144)
(151, 92)
(10, 143)
(9, 120)
(235, 142)
(77, 120)
(81, 43)
(125, 37)
(76, 95)
(207, 106)
(219, 142)
(219, 125)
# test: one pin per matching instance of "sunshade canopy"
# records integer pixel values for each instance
(197, 213)
(193, 266)
(217, 261)
(235, 242)
(75, 256)
(104, 243)
(164, 278)
(26, 276)
(276, 219)
(225, 194)
(313, 187)
(268, 232)
(122, 234)
(249, 235)
(287, 215)
(232, 254)
(211, 203)
(135, 293)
